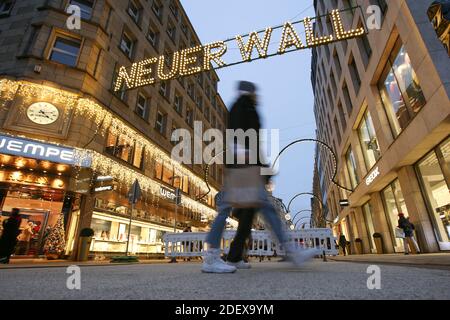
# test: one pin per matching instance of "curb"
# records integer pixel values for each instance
(42, 266)
(400, 264)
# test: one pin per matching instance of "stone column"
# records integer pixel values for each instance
(417, 209)
(87, 205)
(362, 230)
(380, 223)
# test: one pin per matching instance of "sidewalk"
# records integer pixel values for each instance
(431, 260)
(43, 263)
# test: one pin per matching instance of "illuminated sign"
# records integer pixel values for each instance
(344, 203)
(171, 195)
(37, 150)
(371, 178)
(198, 59)
(29, 178)
(104, 188)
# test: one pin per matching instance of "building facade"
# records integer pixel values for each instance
(382, 103)
(70, 146)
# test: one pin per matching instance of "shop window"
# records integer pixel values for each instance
(65, 50)
(369, 141)
(102, 229)
(86, 7)
(120, 147)
(394, 203)
(400, 90)
(352, 168)
(368, 218)
(436, 185)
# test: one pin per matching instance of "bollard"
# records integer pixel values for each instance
(324, 257)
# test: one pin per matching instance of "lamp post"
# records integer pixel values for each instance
(177, 201)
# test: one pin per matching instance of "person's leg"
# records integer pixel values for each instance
(405, 245)
(415, 244)
(271, 217)
(212, 262)
(215, 234)
(243, 232)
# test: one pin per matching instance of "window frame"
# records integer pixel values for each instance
(55, 36)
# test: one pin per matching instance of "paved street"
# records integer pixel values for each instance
(269, 280)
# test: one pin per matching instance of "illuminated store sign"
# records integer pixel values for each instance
(199, 59)
(41, 151)
(28, 178)
(168, 194)
(371, 178)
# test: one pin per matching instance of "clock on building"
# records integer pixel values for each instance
(43, 113)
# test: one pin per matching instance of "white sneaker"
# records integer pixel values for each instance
(299, 257)
(212, 263)
(240, 265)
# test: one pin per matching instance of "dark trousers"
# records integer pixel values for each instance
(245, 217)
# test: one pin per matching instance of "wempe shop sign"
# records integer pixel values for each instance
(41, 151)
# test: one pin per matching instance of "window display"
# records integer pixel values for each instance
(369, 141)
(111, 235)
(436, 187)
(400, 90)
(394, 203)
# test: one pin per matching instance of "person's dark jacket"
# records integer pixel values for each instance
(8, 240)
(243, 115)
(342, 241)
(406, 226)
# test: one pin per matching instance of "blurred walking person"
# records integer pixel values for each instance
(343, 243)
(244, 185)
(8, 240)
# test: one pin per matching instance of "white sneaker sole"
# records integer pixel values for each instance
(207, 269)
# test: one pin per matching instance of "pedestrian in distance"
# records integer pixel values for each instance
(8, 240)
(408, 229)
(343, 244)
(244, 186)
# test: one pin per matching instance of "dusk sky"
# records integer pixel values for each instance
(286, 97)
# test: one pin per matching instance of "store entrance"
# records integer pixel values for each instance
(39, 208)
